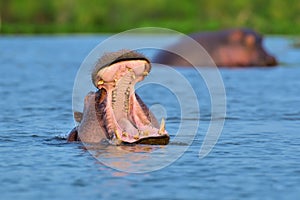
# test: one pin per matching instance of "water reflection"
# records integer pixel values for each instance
(133, 158)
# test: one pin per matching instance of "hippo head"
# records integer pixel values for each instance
(115, 109)
(244, 47)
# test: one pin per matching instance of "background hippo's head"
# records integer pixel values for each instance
(241, 47)
(229, 48)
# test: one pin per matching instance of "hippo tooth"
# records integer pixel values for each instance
(124, 134)
(145, 133)
(133, 76)
(117, 140)
(162, 127)
(136, 137)
(145, 73)
(114, 82)
(101, 82)
(117, 134)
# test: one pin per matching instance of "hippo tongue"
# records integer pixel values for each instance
(128, 118)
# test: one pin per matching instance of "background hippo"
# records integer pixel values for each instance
(231, 48)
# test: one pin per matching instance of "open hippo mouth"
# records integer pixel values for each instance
(121, 113)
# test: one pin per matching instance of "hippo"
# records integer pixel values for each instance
(227, 48)
(114, 113)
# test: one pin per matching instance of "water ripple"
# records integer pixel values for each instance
(256, 156)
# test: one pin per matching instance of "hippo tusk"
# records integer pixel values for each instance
(162, 127)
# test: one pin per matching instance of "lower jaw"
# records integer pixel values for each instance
(130, 129)
(160, 140)
(138, 126)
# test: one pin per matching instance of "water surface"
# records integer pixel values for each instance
(256, 157)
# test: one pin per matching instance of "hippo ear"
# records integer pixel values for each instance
(236, 35)
(250, 40)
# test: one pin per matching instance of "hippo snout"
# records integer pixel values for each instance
(271, 61)
(265, 59)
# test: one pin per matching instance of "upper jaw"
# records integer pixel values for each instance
(112, 74)
(109, 59)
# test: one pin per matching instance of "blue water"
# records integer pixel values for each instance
(256, 157)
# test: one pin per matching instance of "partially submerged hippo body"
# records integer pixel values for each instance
(230, 48)
(115, 113)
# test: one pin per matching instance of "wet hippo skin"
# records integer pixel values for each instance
(229, 48)
(114, 113)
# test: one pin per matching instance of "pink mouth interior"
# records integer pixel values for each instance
(127, 117)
